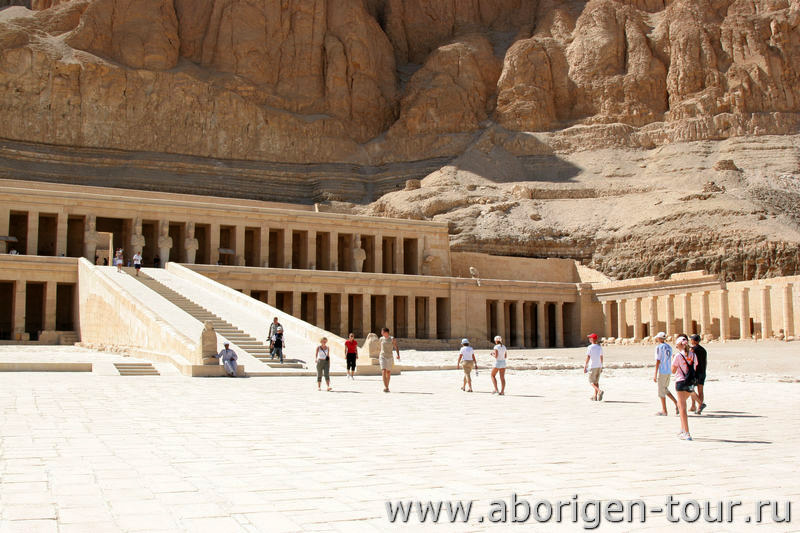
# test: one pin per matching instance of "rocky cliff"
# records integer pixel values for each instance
(543, 108)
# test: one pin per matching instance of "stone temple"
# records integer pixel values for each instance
(228, 266)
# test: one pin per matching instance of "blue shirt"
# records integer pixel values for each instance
(664, 356)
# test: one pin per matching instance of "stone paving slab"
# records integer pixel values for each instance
(84, 452)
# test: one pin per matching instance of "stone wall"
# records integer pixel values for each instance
(513, 268)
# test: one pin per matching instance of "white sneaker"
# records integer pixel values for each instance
(686, 436)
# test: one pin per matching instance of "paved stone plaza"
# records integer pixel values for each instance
(95, 453)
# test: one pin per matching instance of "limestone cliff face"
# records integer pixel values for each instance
(370, 82)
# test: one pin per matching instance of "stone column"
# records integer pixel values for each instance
(670, 327)
(50, 306)
(637, 319)
(500, 320)
(559, 324)
(705, 314)
(320, 311)
(272, 298)
(390, 314)
(432, 334)
(399, 264)
(90, 238)
(287, 249)
(296, 303)
(724, 316)
(653, 324)
(541, 324)
(687, 313)
(213, 244)
(411, 316)
(519, 318)
(744, 313)
(190, 244)
(33, 233)
(766, 313)
(343, 301)
(5, 222)
(239, 257)
(263, 259)
(788, 311)
(359, 255)
(311, 250)
(622, 325)
(165, 241)
(607, 329)
(334, 251)
(366, 315)
(137, 239)
(528, 325)
(19, 310)
(378, 254)
(61, 234)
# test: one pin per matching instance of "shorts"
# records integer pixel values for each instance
(137, 266)
(683, 386)
(500, 363)
(323, 367)
(117, 262)
(663, 385)
(467, 366)
(386, 362)
(351, 361)
(594, 375)
(701, 379)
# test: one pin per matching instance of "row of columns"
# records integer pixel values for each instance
(19, 311)
(32, 235)
(524, 320)
(705, 325)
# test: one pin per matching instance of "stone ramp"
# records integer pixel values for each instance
(238, 338)
(246, 327)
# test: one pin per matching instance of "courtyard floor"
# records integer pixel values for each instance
(88, 452)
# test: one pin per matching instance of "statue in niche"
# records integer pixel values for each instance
(190, 244)
(164, 242)
(90, 238)
(137, 239)
(359, 255)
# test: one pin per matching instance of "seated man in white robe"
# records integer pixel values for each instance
(229, 358)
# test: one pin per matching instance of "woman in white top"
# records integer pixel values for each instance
(466, 358)
(322, 357)
(499, 354)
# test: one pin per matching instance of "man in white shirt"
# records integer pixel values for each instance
(466, 358)
(594, 366)
(229, 359)
(137, 262)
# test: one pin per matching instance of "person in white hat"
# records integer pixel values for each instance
(229, 359)
(499, 353)
(663, 372)
(466, 358)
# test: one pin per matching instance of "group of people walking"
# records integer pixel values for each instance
(687, 363)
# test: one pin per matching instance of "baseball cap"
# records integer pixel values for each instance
(695, 337)
(464, 341)
(592, 335)
(661, 335)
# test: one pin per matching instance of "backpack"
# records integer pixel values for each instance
(690, 378)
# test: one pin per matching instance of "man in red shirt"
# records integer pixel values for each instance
(351, 349)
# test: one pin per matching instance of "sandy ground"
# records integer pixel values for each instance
(744, 360)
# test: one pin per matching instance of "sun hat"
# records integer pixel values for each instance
(464, 341)
(498, 338)
(682, 338)
(661, 335)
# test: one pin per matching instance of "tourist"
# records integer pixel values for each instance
(351, 354)
(684, 365)
(278, 344)
(105, 261)
(594, 366)
(118, 259)
(499, 354)
(156, 262)
(229, 359)
(273, 328)
(137, 262)
(466, 358)
(388, 344)
(13, 252)
(663, 372)
(323, 362)
(702, 358)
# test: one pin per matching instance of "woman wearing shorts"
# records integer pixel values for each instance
(466, 358)
(323, 360)
(499, 354)
(388, 344)
(351, 354)
(118, 260)
(680, 367)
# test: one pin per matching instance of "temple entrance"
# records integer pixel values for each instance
(421, 318)
(150, 248)
(18, 227)
(410, 256)
(368, 244)
(276, 248)
(115, 226)
(323, 251)
(400, 317)
(65, 307)
(177, 230)
(300, 249)
(378, 313)
(345, 249)
(6, 310)
(388, 255)
(34, 309)
(75, 229)
(202, 233)
(442, 318)
(252, 246)
(47, 235)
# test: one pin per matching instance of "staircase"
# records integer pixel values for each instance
(257, 349)
(136, 369)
